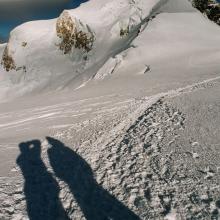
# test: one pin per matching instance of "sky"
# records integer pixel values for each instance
(15, 12)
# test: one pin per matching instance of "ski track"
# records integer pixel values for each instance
(124, 146)
(28, 117)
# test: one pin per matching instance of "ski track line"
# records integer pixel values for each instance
(148, 102)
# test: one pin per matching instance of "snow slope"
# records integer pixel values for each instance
(46, 66)
(178, 32)
(133, 103)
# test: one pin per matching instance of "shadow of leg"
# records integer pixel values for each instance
(40, 188)
(95, 202)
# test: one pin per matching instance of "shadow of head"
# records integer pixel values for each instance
(31, 148)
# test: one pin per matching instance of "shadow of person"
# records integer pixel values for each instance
(95, 202)
(40, 188)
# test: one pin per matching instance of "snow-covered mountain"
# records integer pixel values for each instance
(101, 38)
(132, 89)
(52, 53)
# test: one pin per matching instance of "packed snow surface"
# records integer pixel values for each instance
(111, 111)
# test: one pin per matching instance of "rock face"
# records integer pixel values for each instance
(73, 34)
(7, 60)
(213, 12)
(209, 7)
(124, 32)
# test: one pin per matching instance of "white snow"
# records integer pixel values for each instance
(110, 99)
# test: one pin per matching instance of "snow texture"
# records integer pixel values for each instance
(111, 111)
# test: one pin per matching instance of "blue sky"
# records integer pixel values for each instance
(15, 12)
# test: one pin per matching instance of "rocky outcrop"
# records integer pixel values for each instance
(211, 8)
(213, 12)
(24, 44)
(73, 34)
(125, 31)
(7, 60)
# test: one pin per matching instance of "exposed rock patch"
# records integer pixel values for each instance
(7, 60)
(213, 12)
(73, 34)
(124, 32)
(211, 8)
(24, 44)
